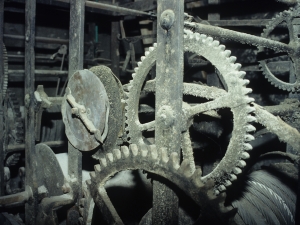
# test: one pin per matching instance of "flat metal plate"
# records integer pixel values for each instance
(49, 172)
(88, 90)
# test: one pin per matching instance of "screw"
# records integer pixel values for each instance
(167, 19)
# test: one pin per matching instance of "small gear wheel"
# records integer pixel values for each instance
(291, 18)
(234, 98)
(157, 162)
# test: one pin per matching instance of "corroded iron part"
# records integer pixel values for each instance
(234, 98)
(155, 161)
(287, 16)
(87, 94)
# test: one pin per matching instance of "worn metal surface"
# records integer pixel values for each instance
(88, 90)
(169, 85)
(21, 147)
(76, 52)
(30, 176)
(14, 200)
(115, 54)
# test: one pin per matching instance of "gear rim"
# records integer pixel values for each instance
(226, 170)
(285, 16)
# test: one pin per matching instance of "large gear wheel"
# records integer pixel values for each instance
(287, 17)
(234, 98)
(152, 160)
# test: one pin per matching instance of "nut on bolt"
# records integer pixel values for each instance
(167, 19)
(66, 188)
(166, 116)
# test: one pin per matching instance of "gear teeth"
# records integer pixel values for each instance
(147, 53)
(237, 66)
(221, 188)
(133, 75)
(88, 182)
(222, 47)
(151, 49)
(125, 151)
(245, 82)
(250, 128)
(197, 36)
(237, 170)
(136, 69)
(174, 161)
(249, 100)
(196, 178)
(249, 138)
(203, 36)
(155, 45)
(185, 168)
(226, 53)
(227, 183)
(215, 43)
(209, 40)
(247, 147)
(251, 119)
(142, 58)
(139, 63)
(232, 59)
(245, 155)
(241, 74)
(134, 149)
(97, 168)
(103, 162)
(250, 109)
(216, 192)
(233, 177)
(93, 175)
(241, 164)
(153, 152)
(247, 91)
(110, 157)
(144, 151)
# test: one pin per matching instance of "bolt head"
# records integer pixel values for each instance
(167, 19)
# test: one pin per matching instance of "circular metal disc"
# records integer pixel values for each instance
(88, 91)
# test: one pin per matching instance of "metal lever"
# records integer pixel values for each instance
(80, 112)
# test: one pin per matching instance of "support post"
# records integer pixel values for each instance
(168, 105)
(31, 207)
(2, 153)
(76, 52)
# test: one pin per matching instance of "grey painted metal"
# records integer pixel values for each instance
(30, 177)
(2, 153)
(76, 52)
(168, 105)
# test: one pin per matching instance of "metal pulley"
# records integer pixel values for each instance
(85, 110)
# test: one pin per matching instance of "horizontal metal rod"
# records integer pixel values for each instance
(21, 147)
(236, 23)
(13, 200)
(41, 39)
(41, 72)
(240, 37)
(113, 8)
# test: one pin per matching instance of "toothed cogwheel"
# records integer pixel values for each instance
(288, 17)
(155, 161)
(4, 79)
(234, 98)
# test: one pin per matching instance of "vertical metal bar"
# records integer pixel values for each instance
(114, 48)
(30, 177)
(168, 105)
(76, 50)
(2, 153)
